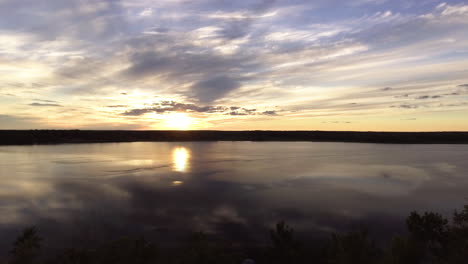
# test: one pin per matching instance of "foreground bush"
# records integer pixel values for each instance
(430, 239)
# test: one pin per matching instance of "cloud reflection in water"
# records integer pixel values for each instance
(234, 189)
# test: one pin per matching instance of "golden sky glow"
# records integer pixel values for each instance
(178, 121)
(271, 65)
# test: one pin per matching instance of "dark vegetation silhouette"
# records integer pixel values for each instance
(26, 247)
(29, 137)
(430, 239)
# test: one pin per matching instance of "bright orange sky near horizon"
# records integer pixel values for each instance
(372, 65)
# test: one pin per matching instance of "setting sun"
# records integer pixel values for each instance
(178, 121)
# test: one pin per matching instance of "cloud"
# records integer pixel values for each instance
(150, 63)
(423, 97)
(336, 122)
(214, 88)
(235, 29)
(269, 113)
(239, 24)
(237, 114)
(45, 101)
(41, 104)
(402, 96)
(409, 106)
(77, 68)
(213, 75)
(52, 19)
(171, 106)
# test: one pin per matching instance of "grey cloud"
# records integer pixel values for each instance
(462, 89)
(403, 33)
(90, 20)
(214, 76)
(176, 62)
(138, 112)
(171, 106)
(40, 104)
(238, 114)
(402, 96)
(269, 113)
(99, 86)
(337, 122)
(423, 97)
(158, 30)
(408, 106)
(150, 63)
(387, 89)
(239, 27)
(45, 101)
(214, 88)
(81, 68)
(430, 105)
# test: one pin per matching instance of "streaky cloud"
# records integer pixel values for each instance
(45, 105)
(174, 107)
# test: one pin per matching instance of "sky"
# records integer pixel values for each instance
(362, 65)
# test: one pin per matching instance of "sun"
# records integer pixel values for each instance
(178, 121)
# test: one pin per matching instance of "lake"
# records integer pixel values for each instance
(84, 193)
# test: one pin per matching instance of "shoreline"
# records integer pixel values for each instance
(45, 137)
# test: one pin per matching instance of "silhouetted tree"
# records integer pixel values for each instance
(26, 247)
(352, 248)
(203, 250)
(127, 250)
(73, 256)
(458, 246)
(404, 250)
(431, 234)
(285, 248)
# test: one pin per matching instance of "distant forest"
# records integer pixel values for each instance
(29, 137)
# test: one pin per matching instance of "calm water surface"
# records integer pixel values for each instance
(86, 192)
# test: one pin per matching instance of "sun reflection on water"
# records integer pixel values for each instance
(180, 159)
(177, 183)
